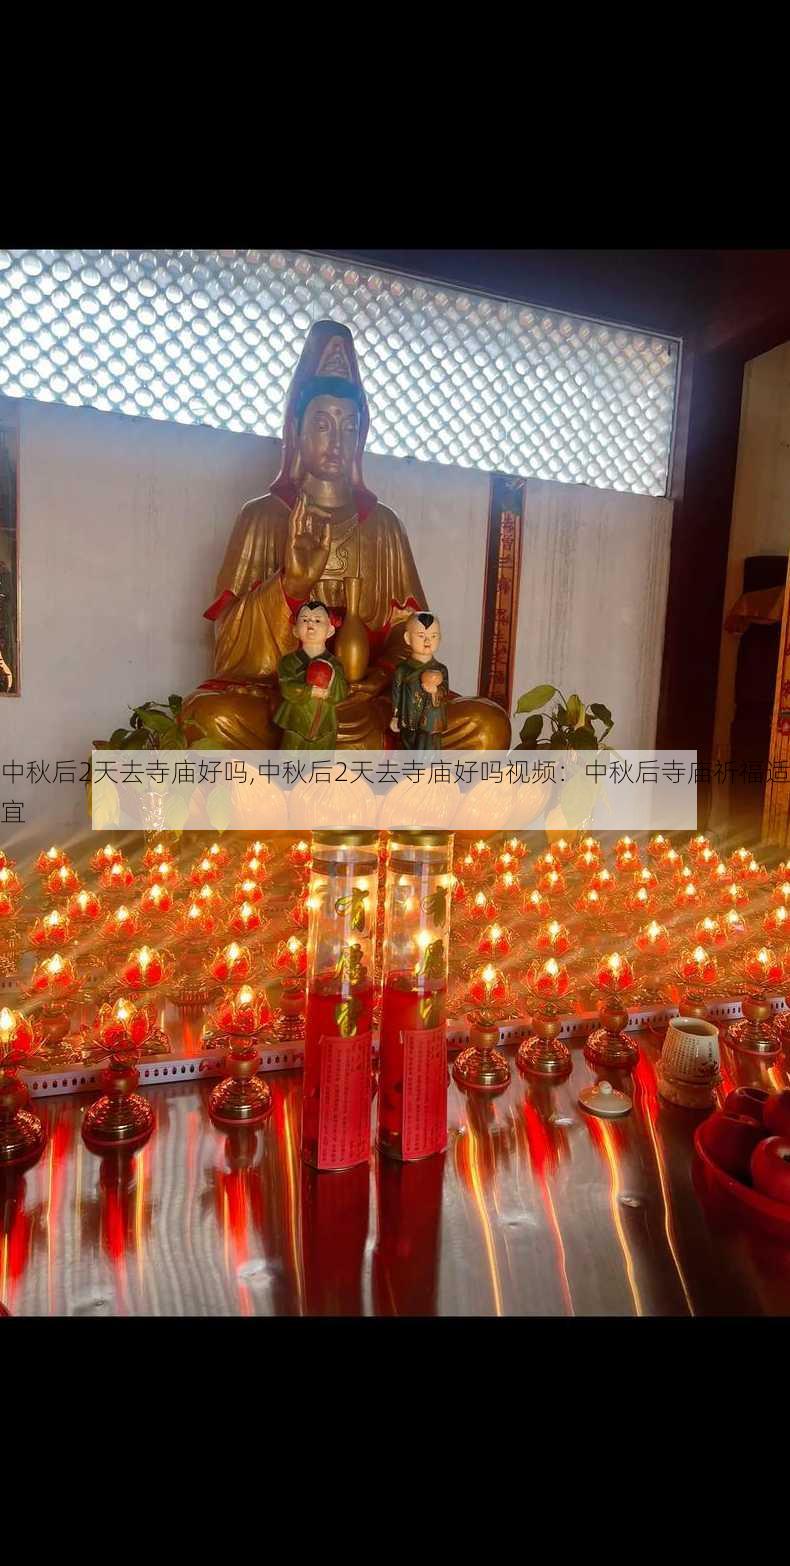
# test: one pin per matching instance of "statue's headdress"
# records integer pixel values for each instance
(327, 368)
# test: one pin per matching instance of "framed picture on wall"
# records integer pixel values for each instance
(9, 558)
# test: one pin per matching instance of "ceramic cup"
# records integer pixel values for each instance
(689, 1066)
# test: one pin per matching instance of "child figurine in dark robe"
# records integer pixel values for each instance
(312, 683)
(420, 687)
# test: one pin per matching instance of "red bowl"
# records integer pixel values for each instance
(759, 1211)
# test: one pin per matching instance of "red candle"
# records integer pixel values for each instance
(698, 967)
(548, 980)
(84, 908)
(143, 968)
(156, 899)
(553, 937)
(488, 987)
(653, 937)
(232, 963)
(615, 973)
(495, 941)
(763, 967)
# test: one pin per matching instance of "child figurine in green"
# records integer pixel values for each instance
(420, 687)
(312, 683)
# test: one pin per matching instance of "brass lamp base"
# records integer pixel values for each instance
(755, 1034)
(121, 1117)
(694, 1005)
(543, 1054)
(22, 1136)
(480, 1067)
(241, 1097)
(53, 1051)
(289, 1023)
(609, 1047)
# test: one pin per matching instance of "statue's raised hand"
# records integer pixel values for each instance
(306, 551)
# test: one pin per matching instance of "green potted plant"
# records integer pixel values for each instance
(158, 725)
(565, 724)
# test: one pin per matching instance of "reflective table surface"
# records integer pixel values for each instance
(536, 1209)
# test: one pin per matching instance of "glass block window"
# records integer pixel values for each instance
(212, 337)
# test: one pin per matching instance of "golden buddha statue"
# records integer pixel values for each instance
(319, 533)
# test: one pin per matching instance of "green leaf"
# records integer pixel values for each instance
(175, 703)
(599, 711)
(160, 722)
(531, 728)
(203, 744)
(584, 739)
(537, 697)
(117, 738)
(575, 711)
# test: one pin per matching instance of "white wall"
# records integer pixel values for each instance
(594, 574)
(123, 524)
(761, 507)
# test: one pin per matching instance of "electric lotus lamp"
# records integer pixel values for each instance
(245, 920)
(776, 924)
(708, 860)
(628, 860)
(231, 965)
(756, 1034)
(62, 881)
(156, 902)
(290, 959)
(608, 1046)
(755, 872)
(562, 850)
(481, 908)
(5, 862)
(22, 1136)
(54, 985)
(196, 921)
(300, 855)
(242, 1097)
(204, 872)
(592, 903)
(734, 924)
(156, 854)
(640, 901)
(554, 938)
(122, 925)
(260, 850)
(653, 939)
(53, 929)
(121, 1117)
(51, 860)
(672, 861)
(588, 862)
(248, 891)
(543, 864)
(603, 881)
(536, 905)
(144, 969)
(688, 895)
(506, 861)
(164, 872)
(83, 909)
(105, 857)
(591, 845)
(698, 972)
(646, 878)
(508, 887)
(780, 897)
(457, 891)
(548, 980)
(658, 846)
(481, 1067)
(711, 931)
(481, 852)
(699, 844)
(543, 1053)
(10, 884)
(220, 856)
(517, 846)
(734, 895)
(117, 878)
(740, 859)
(720, 875)
(552, 883)
(495, 942)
